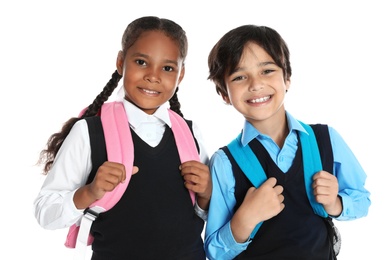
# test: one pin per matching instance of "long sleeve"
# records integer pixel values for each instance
(219, 240)
(54, 207)
(351, 178)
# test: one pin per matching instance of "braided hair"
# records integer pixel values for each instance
(130, 36)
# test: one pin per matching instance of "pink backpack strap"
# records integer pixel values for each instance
(120, 149)
(184, 141)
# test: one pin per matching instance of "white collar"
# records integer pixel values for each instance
(136, 116)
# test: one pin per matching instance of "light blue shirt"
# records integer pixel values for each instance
(219, 240)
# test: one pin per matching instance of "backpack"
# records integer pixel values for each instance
(250, 165)
(119, 148)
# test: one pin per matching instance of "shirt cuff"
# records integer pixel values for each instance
(70, 209)
(226, 233)
(200, 212)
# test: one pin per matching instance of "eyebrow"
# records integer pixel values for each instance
(260, 64)
(138, 54)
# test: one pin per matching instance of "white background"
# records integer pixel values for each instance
(56, 56)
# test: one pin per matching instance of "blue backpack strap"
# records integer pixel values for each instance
(252, 168)
(311, 165)
(248, 163)
(244, 154)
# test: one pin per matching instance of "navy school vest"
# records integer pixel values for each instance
(155, 231)
(320, 155)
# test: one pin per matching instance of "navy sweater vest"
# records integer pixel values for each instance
(295, 233)
(155, 218)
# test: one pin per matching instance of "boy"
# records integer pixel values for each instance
(251, 69)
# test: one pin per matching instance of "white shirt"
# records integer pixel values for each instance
(54, 207)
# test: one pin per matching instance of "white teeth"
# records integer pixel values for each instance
(259, 100)
(150, 91)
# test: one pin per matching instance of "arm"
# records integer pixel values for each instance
(219, 240)
(54, 207)
(351, 179)
(203, 199)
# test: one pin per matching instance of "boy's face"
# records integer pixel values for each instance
(257, 87)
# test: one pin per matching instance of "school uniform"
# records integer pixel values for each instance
(296, 232)
(154, 219)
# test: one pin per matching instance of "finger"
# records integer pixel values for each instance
(271, 182)
(115, 168)
(281, 198)
(195, 174)
(112, 172)
(120, 170)
(321, 182)
(194, 167)
(113, 179)
(278, 189)
(322, 175)
(135, 170)
(192, 178)
(193, 187)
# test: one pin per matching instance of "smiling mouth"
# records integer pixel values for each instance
(259, 100)
(151, 92)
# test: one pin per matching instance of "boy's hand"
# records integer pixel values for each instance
(326, 188)
(259, 205)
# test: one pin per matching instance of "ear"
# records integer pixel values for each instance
(226, 99)
(119, 62)
(182, 72)
(287, 83)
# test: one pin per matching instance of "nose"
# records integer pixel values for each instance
(152, 75)
(256, 84)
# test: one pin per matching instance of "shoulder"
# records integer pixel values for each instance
(194, 128)
(220, 161)
(335, 137)
(339, 144)
(77, 141)
(204, 155)
(79, 130)
(221, 169)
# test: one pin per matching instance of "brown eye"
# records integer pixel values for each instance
(140, 62)
(168, 68)
(268, 71)
(238, 78)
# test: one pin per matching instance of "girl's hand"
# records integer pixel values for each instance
(107, 177)
(197, 178)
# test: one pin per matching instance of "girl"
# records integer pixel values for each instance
(250, 66)
(155, 218)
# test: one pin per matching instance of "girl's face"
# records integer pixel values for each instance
(151, 70)
(257, 87)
